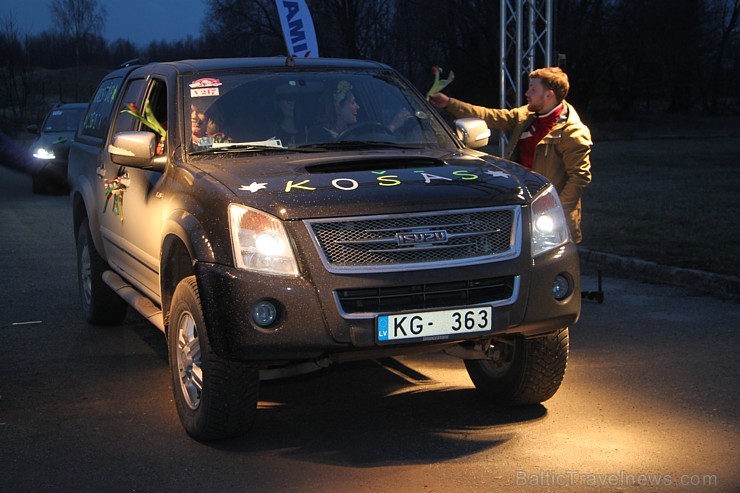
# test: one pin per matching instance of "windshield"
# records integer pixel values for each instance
(307, 111)
(62, 120)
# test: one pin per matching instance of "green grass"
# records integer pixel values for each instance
(673, 201)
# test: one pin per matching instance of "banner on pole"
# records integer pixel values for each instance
(298, 30)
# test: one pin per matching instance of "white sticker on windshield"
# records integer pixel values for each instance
(204, 142)
(203, 91)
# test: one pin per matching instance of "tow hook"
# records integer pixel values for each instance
(500, 353)
(496, 353)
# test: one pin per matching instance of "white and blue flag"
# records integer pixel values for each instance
(298, 30)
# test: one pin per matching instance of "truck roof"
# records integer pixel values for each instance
(208, 64)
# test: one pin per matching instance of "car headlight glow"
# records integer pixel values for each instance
(269, 244)
(549, 228)
(260, 243)
(42, 153)
(545, 224)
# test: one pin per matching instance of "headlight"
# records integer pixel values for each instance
(549, 229)
(260, 243)
(42, 153)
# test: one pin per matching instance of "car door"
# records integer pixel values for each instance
(133, 217)
(142, 210)
(112, 183)
(90, 167)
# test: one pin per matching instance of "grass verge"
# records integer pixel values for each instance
(671, 199)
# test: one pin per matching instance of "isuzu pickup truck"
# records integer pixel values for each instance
(274, 215)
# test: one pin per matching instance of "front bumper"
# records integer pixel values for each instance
(311, 324)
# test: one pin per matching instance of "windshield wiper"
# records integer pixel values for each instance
(236, 148)
(356, 144)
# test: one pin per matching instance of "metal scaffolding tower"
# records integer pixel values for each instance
(526, 44)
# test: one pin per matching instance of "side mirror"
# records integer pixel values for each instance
(473, 132)
(34, 129)
(136, 149)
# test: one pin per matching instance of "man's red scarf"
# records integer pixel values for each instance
(540, 127)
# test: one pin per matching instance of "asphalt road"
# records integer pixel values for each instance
(649, 402)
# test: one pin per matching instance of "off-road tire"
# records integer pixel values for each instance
(531, 374)
(215, 398)
(100, 304)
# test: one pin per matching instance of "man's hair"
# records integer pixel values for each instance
(554, 79)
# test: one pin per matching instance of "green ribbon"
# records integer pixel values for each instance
(114, 190)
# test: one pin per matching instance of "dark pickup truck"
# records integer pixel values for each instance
(275, 215)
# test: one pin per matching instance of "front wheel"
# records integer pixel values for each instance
(525, 372)
(215, 398)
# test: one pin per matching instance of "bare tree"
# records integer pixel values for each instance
(728, 14)
(352, 28)
(80, 20)
(581, 29)
(239, 28)
(15, 72)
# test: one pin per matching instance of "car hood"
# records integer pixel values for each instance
(300, 186)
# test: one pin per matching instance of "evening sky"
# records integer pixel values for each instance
(139, 21)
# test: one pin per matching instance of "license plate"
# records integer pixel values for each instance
(438, 325)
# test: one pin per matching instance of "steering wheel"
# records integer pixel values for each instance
(363, 128)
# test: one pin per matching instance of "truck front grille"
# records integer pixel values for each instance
(417, 241)
(426, 296)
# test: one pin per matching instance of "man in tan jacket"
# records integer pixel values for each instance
(546, 135)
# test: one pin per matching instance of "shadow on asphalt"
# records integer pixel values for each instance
(361, 415)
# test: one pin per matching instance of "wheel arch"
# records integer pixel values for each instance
(79, 212)
(185, 243)
(81, 197)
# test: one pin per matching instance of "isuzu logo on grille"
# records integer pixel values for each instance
(419, 237)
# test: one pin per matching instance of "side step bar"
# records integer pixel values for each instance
(138, 301)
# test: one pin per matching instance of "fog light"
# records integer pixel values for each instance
(561, 287)
(264, 313)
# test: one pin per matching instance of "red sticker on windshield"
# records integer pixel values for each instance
(205, 82)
